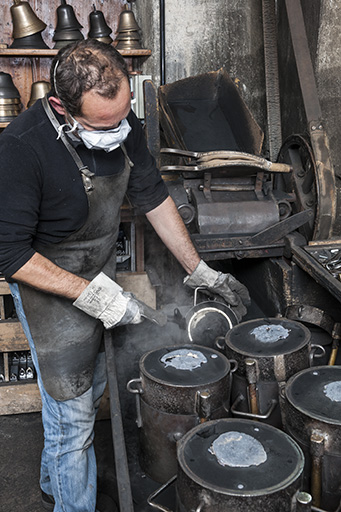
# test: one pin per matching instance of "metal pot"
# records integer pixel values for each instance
(268, 352)
(206, 320)
(179, 387)
(237, 465)
(312, 416)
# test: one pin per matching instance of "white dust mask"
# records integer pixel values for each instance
(108, 140)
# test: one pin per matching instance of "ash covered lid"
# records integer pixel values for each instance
(316, 392)
(240, 457)
(267, 337)
(186, 365)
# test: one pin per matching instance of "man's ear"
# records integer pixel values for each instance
(57, 105)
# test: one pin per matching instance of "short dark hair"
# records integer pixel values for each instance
(85, 65)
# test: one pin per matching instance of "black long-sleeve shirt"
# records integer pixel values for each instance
(42, 198)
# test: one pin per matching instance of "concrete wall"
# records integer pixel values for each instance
(204, 35)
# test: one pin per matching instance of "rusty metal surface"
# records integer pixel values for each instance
(151, 115)
(272, 78)
(325, 179)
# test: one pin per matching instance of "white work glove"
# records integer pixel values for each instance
(225, 285)
(104, 299)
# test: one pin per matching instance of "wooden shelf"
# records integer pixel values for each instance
(33, 52)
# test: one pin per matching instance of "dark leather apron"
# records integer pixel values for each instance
(66, 339)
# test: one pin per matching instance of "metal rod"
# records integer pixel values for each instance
(162, 44)
(251, 375)
(121, 461)
(316, 450)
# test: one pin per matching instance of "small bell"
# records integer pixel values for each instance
(10, 104)
(38, 90)
(7, 87)
(25, 22)
(127, 21)
(98, 27)
(66, 18)
(128, 31)
(68, 27)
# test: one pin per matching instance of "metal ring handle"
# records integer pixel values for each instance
(130, 387)
(234, 364)
(241, 398)
(217, 343)
(159, 491)
(314, 348)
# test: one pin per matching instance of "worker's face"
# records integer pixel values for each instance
(99, 113)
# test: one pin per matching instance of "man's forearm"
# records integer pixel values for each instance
(41, 273)
(170, 227)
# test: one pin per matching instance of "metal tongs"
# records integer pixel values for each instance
(222, 158)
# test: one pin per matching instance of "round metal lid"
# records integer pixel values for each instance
(240, 457)
(267, 337)
(185, 365)
(316, 392)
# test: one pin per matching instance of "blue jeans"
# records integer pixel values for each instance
(68, 464)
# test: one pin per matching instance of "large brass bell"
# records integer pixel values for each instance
(68, 27)
(25, 22)
(38, 90)
(128, 37)
(27, 27)
(10, 104)
(98, 27)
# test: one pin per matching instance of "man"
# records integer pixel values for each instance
(67, 163)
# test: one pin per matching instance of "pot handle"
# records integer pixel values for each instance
(137, 391)
(159, 491)
(313, 352)
(218, 344)
(241, 398)
(195, 296)
(234, 365)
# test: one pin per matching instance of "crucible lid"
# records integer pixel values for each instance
(266, 337)
(240, 457)
(316, 392)
(186, 365)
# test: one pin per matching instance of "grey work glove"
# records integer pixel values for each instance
(225, 285)
(104, 299)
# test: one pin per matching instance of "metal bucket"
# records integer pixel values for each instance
(179, 387)
(268, 352)
(312, 416)
(237, 465)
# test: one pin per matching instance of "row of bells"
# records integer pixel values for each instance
(27, 28)
(10, 102)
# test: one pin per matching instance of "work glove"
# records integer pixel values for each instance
(232, 291)
(104, 299)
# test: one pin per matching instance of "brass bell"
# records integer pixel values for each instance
(98, 26)
(66, 18)
(7, 87)
(127, 21)
(25, 22)
(38, 90)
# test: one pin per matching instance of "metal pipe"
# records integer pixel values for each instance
(303, 502)
(316, 450)
(162, 43)
(251, 375)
